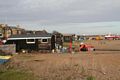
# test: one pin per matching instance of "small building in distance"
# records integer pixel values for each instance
(37, 32)
(68, 37)
(90, 37)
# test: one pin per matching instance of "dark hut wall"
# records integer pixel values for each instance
(38, 45)
(44, 44)
(22, 44)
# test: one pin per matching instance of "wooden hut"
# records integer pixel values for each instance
(32, 42)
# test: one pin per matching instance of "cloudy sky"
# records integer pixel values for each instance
(67, 16)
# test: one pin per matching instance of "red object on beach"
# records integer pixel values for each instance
(86, 47)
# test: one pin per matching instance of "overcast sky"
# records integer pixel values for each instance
(67, 16)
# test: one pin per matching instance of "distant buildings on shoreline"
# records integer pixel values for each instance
(6, 31)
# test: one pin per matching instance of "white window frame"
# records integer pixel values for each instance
(28, 42)
(44, 42)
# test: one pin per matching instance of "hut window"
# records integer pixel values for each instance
(30, 41)
(44, 41)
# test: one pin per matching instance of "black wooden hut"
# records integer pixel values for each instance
(31, 42)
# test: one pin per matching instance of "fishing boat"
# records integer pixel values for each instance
(4, 59)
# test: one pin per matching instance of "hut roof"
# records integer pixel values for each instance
(29, 36)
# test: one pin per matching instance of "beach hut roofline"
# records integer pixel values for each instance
(28, 38)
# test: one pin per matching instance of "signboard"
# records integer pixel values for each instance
(7, 49)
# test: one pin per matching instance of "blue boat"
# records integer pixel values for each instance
(4, 59)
